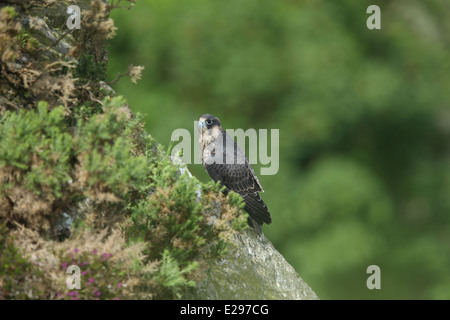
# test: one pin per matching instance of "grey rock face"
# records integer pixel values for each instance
(253, 269)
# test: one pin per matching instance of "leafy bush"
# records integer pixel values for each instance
(47, 168)
(36, 151)
(43, 166)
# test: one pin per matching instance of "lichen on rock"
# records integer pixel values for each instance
(252, 269)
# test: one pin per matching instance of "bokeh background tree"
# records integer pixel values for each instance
(364, 119)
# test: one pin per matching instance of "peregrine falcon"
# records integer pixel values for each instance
(226, 162)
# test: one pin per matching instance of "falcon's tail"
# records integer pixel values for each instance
(256, 209)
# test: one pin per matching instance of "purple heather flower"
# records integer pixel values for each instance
(72, 293)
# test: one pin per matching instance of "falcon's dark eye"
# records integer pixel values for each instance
(208, 122)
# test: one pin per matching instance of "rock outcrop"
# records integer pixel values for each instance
(253, 269)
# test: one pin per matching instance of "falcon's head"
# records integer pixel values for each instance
(208, 122)
(209, 127)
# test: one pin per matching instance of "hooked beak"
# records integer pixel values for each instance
(201, 125)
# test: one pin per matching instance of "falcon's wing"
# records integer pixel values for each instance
(241, 179)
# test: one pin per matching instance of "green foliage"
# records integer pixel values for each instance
(37, 148)
(363, 118)
(10, 11)
(46, 164)
(173, 278)
(88, 69)
(27, 41)
(104, 146)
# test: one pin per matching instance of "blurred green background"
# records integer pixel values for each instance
(364, 120)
